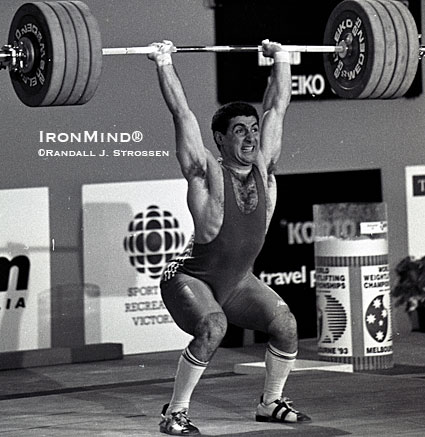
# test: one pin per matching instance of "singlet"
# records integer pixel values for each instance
(224, 262)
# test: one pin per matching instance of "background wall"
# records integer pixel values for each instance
(319, 136)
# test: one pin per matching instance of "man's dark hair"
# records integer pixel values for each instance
(222, 117)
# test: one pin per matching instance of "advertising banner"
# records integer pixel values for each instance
(353, 284)
(24, 269)
(130, 232)
(376, 299)
(415, 205)
(334, 321)
(286, 262)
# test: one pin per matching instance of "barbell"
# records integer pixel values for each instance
(54, 53)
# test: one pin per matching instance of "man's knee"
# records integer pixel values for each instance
(211, 328)
(283, 330)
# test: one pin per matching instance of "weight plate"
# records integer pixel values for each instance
(38, 26)
(412, 49)
(83, 51)
(402, 45)
(70, 53)
(390, 50)
(95, 51)
(357, 74)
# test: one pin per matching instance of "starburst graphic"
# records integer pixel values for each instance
(154, 238)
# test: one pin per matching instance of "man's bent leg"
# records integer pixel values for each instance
(208, 334)
(189, 372)
(259, 307)
(278, 366)
(281, 352)
(279, 363)
(194, 309)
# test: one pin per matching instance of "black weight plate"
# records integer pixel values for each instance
(42, 83)
(390, 50)
(402, 46)
(70, 53)
(95, 51)
(358, 73)
(412, 49)
(83, 50)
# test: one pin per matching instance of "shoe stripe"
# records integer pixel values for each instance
(282, 414)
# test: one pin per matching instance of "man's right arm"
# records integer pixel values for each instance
(190, 150)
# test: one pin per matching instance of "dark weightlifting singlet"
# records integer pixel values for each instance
(225, 261)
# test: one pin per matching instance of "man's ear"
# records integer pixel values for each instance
(218, 137)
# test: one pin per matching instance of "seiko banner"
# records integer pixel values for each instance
(24, 269)
(130, 231)
(286, 262)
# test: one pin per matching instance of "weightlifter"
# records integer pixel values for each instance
(231, 200)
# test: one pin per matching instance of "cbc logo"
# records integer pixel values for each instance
(154, 239)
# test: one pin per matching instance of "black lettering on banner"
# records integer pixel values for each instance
(22, 263)
(149, 290)
(14, 304)
(379, 350)
(144, 306)
(152, 320)
(419, 185)
(300, 233)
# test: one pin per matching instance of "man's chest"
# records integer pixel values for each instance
(246, 193)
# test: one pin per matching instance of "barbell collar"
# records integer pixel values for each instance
(223, 49)
(11, 57)
(17, 58)
(6, 56)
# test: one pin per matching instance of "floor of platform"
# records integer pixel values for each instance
(124, 397)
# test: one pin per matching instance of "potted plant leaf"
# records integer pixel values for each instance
(410, 288)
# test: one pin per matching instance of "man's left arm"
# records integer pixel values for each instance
(275, 103)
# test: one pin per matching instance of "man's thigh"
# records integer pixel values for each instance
(188, 300)
(254, 306)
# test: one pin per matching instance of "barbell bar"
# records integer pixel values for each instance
(145, 50)
(54, 53)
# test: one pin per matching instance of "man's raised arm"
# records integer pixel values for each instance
(275, 103)
(190, 149)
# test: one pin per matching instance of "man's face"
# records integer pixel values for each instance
(240, 144)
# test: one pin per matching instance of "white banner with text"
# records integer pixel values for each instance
(131, 230)
(24, 269)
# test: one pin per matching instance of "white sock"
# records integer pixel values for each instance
(189, 371)
(278, 366)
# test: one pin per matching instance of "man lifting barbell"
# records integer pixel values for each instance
(231, 201)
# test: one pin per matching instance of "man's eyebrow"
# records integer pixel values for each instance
(245, 125)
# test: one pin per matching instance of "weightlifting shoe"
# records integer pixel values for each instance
(177, 423)
(281, 410)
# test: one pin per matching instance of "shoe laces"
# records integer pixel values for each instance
(181, 417)
(289, 403)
